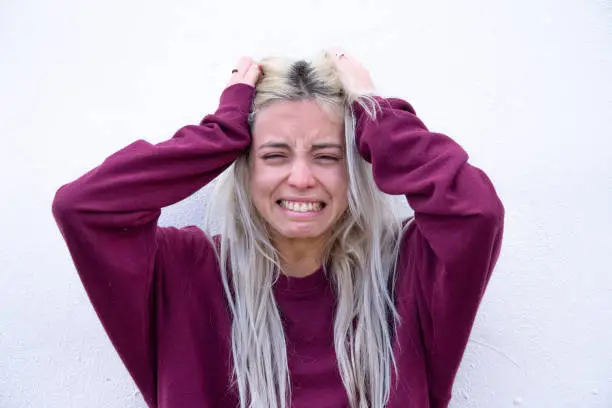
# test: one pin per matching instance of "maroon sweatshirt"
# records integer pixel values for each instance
(158, 292)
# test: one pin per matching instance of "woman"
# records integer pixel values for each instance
(314, 294)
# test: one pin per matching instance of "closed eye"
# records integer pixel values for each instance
(273, 156)
(328, 158)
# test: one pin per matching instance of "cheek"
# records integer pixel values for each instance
(263, 182)
(336, 183)
(343, 189)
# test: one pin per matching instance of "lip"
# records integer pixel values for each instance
(301, 199)
(299, 214)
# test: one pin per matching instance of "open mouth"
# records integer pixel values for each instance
(302, 206)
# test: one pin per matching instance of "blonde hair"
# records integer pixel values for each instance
(362, 254)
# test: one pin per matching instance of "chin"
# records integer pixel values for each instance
(301, 232)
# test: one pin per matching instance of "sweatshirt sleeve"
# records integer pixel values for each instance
(453, 244)
(108, 218)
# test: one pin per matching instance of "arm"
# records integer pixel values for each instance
(108, 218)
(454, 242)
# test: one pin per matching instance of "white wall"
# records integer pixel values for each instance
(524, 86)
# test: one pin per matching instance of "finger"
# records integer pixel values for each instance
(239, 70)
(337, 54)
(243, 65)
(252, 74)
(335, 50)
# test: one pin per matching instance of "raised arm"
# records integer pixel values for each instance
(453, 244)
(108, 218)
(450, 250)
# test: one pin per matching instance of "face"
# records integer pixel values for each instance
(298, 172)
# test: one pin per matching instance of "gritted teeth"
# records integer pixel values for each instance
(301, 206)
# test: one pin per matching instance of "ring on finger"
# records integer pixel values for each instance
(234, 71)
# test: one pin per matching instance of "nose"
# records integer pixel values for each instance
(301, 175)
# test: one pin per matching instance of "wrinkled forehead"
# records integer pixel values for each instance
(301, 122)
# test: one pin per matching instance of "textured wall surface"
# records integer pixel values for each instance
(525, 87)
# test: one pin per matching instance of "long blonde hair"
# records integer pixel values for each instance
(361, 251)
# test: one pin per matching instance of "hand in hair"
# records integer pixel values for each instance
(246, 71)
(355, 78)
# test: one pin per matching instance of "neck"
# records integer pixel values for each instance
(299, 256)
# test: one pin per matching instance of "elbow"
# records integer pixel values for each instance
(494, 229)
(491, 228)
(494, 212)
(491, 210)
(63, 205)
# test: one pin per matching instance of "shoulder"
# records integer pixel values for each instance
(408, 236)
(188, 279)
(414, 255)
(184, 246)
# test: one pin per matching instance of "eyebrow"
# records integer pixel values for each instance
(316, 146)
